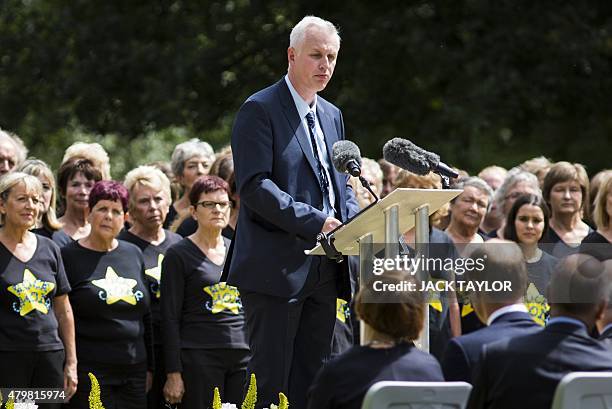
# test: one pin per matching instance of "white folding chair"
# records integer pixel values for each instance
(584, 390)
(417, 395)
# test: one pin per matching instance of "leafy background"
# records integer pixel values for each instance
(479, 82)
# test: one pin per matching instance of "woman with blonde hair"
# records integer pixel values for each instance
(597, 243)
(37, 346)
(90, 151)
(47, 225)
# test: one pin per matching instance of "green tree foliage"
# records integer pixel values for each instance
(479, 82)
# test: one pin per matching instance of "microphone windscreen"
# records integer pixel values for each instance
(343, 152)
(406, 155)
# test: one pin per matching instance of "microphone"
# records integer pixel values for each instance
(406, 155)
(346, 158)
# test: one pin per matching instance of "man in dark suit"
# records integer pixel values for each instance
(523, 372)
(505, 317)
(290, 192)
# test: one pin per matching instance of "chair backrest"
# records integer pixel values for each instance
(584, 390)
(417, 395)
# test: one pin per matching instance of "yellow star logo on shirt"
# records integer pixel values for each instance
(537, 305)
(117, 288)
(342, 310)
(155, 273)
(224, 297)
(31, 292)
(466, 309)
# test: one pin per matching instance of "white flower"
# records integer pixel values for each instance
(228, 406)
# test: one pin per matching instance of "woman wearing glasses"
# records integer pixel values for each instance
(202, 319)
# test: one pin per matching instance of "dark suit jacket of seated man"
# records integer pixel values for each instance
(289, 298)
(523, 372)
(463, 353)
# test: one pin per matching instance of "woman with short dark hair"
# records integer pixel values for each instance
(111, 303)
(389, 353)
(75, 179)
(202, 319)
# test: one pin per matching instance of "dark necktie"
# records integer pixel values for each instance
(315, 150)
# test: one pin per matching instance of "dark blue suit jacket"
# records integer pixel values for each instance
(523, 372)
(463, 353)
(280, 197)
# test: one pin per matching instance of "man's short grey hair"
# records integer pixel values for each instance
(187, 150)
(296, 38)
(514, 176)
(476, 183)
(21, 152)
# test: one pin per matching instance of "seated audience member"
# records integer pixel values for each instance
(534, 364)
(494, 176)
(190, 160)
(517, 183)
(566, 191)
(47, 223)
(525, 225)
(94, 152)
(468, 210)
(12, 152)
(538, 167)
(149, 191)
(111, 305)
(75, 180)
(505, 316)
(598, 243)
(444, 320)
(389, 353)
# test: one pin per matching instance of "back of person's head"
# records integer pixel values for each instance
(579, 287)
(497, 261)
(537, 166)
(400, 317)
(494, 176)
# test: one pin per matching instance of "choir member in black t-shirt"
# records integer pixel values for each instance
(202, 319)
(37, 347)
(47, 223)
(190, 160)
(391, 326)
(150, 196)
(599, 243)
(111, 301)
(525, 225)
(566, 191)
(75, 179)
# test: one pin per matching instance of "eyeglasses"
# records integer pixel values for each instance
(210, 205)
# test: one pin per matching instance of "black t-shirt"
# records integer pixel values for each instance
(153, 257)
(27, 290)
(597, 246)
(198, 312)
(110, 300)
(539, 273)
(552, 243)
(343, 382)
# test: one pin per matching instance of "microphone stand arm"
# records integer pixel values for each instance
(366, 184)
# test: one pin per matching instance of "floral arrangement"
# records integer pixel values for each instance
(249, 400)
